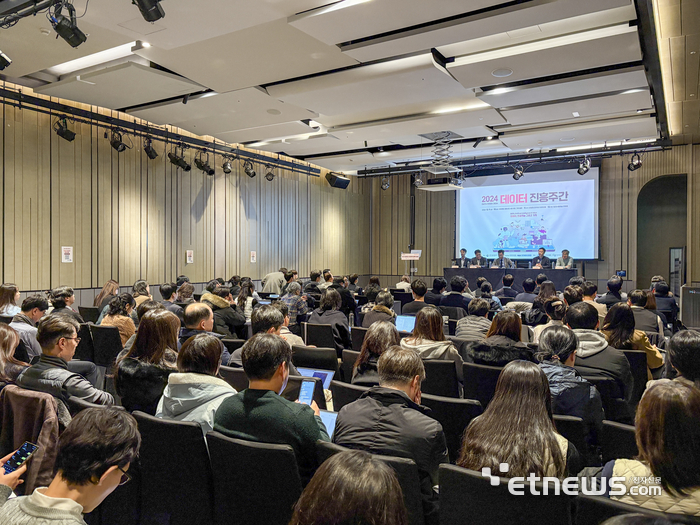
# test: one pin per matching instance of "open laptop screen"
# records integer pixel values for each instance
(326, 376)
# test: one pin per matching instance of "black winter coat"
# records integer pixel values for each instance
(498, 350)
(228, 321)
(140, 385)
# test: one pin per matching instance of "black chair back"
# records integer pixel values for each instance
(198, 296)
(440, 378)
(291, 393)
(320, 335)
(403, 297)
(21, 353)
(345, 393)
(358, 337)
(506, 300)
(107, 344)
(573, 429)
(6, 319)
(453, 312)
(361, 300)
(618, 441)
(90, 314)
(86, 349)
(615, 407)
(349, 359)
(254, 483)
(175, 472)
(655, 338)
(319, 358)
(232, 344)
(461, 489)
(592, 510)
(638, 366)
(76, 404)
(234, 376)
(480, 382)
(452, 326)
(454, 415)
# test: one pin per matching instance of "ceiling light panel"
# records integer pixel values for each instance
(261, 133)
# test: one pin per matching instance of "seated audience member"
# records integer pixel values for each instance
(613, 296)
(296, 304)
(61, 299)
(477, 292)
(327, 280)
(418, 290)
(348, 303)
(9, 295)
(434, 295)
(259, 413)
(194, 392)
(365, 491)
(94, 454)
(199, 318)
(58, 337)
(428, 339)
(564, 262)
(590, 292)
(594, 357)
(212, 285)
(169, 293)
(665, 302)
(577, 280)
(684, 356)
(455, 297)
(10, 368)
(502, 343)
(541, 261)
(228, 319)
(141, 291)
(507, 289)
(329, 313)
(502, 261)
(620, 332)
(141, 310)
(547, 290)
(652, 307)
(381, 311)
(478, 261)
(475, 325)
(371, 293)
(527, 296)
(487, 294)
(571, 394)
(235, 284)
(352, 278)
(184, 294)
(379, 337)
(542, 277)
(289, 277)
(24, 323)
(572, 294)
(404, 284)
(312, 285)
(273, 281)
(181, 279)
(142, 373)
(667, 427)
(109, 291)
(555, 310)
(246, 300)
(284, 331)
(119, 316)
(389, 420)
(517, 428)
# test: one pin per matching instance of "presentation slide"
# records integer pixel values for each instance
(555, 210)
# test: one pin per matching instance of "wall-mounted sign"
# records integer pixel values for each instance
(190, 256)
(253, 257)
(66, 254)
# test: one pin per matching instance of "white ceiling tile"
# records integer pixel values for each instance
(264, 132)
(352, 162)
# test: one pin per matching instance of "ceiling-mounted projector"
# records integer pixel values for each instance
(441, 184)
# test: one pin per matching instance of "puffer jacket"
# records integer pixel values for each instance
(227, 320)
(140, 384)
(498, 350)
(193, 397)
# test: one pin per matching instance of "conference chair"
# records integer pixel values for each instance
(403, 297)
(317, 358)
(85, 350)
(254, 483)
(232, 344)
(319, 335)
(618, 441)
(452, 326)
(466, 497)
(615, 407)
(198, 296)
(460, 344)
(573, 429)
(506, 300)
(480, 382)
(176, 475)
(76, 405)
(291, 392)
(234, 376)
(345, 393)
(21, 353)
(347, 364)
(6, 319)
(593, 510)
(440, 378)
(107, 344)
(638, 366)
(453, 312)
(358, 337)
(90, 314)
(454, 415)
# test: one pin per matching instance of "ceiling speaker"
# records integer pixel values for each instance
(337, 181)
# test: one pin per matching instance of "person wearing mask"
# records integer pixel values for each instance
(33, 309)
(380, 336)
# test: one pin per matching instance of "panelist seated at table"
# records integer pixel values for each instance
(502, 261)
(541, 261)
(462, 261)
(564, 262)
(478, 261)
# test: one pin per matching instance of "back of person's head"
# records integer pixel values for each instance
(375, 280)
(262, 355)
(35, 301)
(282, 307)
(405, 279)
(516, 428)
(657, 279)
(339, 280)
(439, 284)
(541, 278)
(529, 285)
(555, 308)
(54, 327)
(201, 354)
(212, 285)
(486, 289)
(140, 288)
(147, 306)
(181, 279)
(8, 292)
(651, 300)
(120, 304)
(315, 274)
(380, 336)
(614, 284)
(556, 343)
(111, 287)
(668, 434)
(577, 280)
(282, 270)
(196, 313)
(506, 323)
(479, 282)
(547, 289)
(508, 280)
(661, 289)
(684, 354)
(365, 492)
(57, 297)
(222, 291)
(266, 317)
(458, 283)
(399, 366)
(581, 315)
(479, 307)
(158, 331)
(353, 278)
(590, 289)
(235, 280)
(371, 292)
(619, 325)
(573, 294)
(294, 288)
(429, 324)
(385, 299)
(637, 298)
(330, 300)
(327, 276)
(167, 290)
(9, 339)
(288, 276)
(419, 288)
(247, 290)
(185, 291)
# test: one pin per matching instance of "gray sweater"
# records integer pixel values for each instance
(23, 511)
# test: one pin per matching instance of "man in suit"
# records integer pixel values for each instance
(502, 261)
(478, 261)
(462, 262)
(541, 261)
(507, 290)
(455, 297)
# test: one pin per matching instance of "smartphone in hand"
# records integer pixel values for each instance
(20, 457)
(306, 393)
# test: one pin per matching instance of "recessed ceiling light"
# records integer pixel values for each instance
(567, 139)
(145, 44)
(576, 114)
(274, 111)
(502, 72)
(499, 91)
(640, 111)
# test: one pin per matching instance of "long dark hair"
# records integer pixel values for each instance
(506, 323)
(247, 289)
(516, 428)
(380, 336)
(547, 289)
(118, 305)
(428, 325)
(140, 288)
(8, 291)
(111, 287)
(9, 339)
(618, 325)
(158, 331)
(556, 342)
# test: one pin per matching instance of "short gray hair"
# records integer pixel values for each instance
(398, 366)
(293, 288)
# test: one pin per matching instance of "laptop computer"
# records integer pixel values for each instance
(326, 376)
(329, 419)
(405, 323)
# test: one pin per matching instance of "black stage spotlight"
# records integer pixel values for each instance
(204, 166)
(4, 61)
(584, 166)
(151, 10)
(518, 172)
(270, 175)
(385, 183)
(635, 163)
(61, 129)
(226, 166)
(180, 162)
(148, 148)
(248, 168)
(116, 142)
(67, 28)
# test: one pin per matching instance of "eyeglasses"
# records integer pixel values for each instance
(76, 339)
(126, 477)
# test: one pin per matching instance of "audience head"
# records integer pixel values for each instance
(140, 288)
(619, 325)
(478, 307)
(401, 368)
(637, 298)
(282, 270)
(439, 284)
(147, 306)
(405, 279)
(479, 282)
(684, 354)
(198, 316)
(615, 284)
(547, 289)
(380, 336)
(668, 434)
(94, 451)
(222, 291)
(581, 316)
(266, 357)
(506, 323)
(540, 279)
(185, 291)
(486, 289)
(315, 275)
(419, 288)
(267, 319)
(201, 354)
(365, 492)
(557, 343)
(339, 280)
(327, 276)
(353, 278)
(9, 340)
(577, 280)
(158, 331)
(167, 290)
(508, 280)
(330, 300)
(212, 285)
(429, 324)
(375, 280)
(385, 299)
(371, 292)
(289, 276)
(294, 288)
(283, 308)
(656, 279)
(458, 283)
(61, 297)
(35, 307)
(181, 279)
(555, 308)
(111, 287)
(235, 281)
(661, 289)
(247, 290)
(122, 304)
(529, 285)
(9, 295)
(590, 289)
(573, 294)
(651, 300)
(57, 335)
